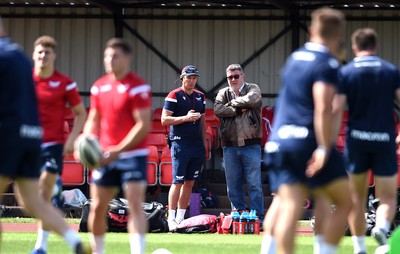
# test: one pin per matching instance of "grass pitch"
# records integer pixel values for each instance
(116, 243)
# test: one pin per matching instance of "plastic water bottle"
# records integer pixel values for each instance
(252, 221)
(243, 225)
(235, 225)
(256, 224)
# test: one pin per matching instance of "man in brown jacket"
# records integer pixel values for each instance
(239, 108)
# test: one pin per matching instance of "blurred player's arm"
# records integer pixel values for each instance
(398, 102)
(322, 95)
(79, 112)
(338, 104)
(92, 123)
(222, 107)
(252, 99)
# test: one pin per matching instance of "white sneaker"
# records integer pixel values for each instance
(380, 236)
(384, 249)
(172, 224)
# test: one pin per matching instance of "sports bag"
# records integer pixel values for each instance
(118, 216)
(203, 223)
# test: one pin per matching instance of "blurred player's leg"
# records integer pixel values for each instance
(135, 194)
(268, 244)
(35, 205)
(359, 192)
(47, 181)
(321, 209)
(386, 191)
(101, 197)
(335, 222)
(4, 181)
(291, 200)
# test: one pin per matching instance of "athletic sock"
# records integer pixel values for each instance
(97, 243)
(359, 244)
(383, 224)
(137, 242)
(72, 238)
(318, 241)
(180, 215)
(268, 244)
(42, 240)
(171, 215)
(327, 248)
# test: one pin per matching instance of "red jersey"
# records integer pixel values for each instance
(116, 100)
(54, 93)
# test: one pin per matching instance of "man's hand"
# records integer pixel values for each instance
(317, 161)
(192, 116)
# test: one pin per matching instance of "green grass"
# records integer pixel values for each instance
(116, 243)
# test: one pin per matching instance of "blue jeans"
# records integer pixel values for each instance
(244, 164)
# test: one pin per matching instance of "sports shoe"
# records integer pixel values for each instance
(380, 236)
(38, 251)
(172, 224)
(82, 248)
(384, 249)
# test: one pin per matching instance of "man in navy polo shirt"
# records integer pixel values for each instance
(184, 111)
(368, 85)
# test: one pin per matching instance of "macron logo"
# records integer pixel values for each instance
(179, 177)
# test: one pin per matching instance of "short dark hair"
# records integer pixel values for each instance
(121, 44)
(364, 39)
(46, 41)
(328, 22)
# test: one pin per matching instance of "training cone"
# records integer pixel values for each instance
(394, 242)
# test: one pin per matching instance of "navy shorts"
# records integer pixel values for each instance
(120, 171)
(187, 161)
(19, 161)
(382, 163)
(289, 168)
(52, 158)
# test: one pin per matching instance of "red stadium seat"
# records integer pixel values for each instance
(267, 118)
(152, 165)
(73, 173)
(165, 169)
(157, 127)
(156, 139)
(157, 114)
(213, 121)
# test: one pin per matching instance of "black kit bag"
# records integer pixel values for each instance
(117, 216)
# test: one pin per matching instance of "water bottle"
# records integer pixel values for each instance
(243, 223)
(235, 225)
(252, 221)
(256, 224)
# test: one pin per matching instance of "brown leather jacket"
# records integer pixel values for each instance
(240, 115)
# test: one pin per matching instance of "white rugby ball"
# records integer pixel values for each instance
(90, 152)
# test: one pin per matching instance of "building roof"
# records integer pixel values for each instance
(288, 5)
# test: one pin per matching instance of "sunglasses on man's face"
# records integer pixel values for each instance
(234, 76)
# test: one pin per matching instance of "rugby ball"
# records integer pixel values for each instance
(90, 152)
